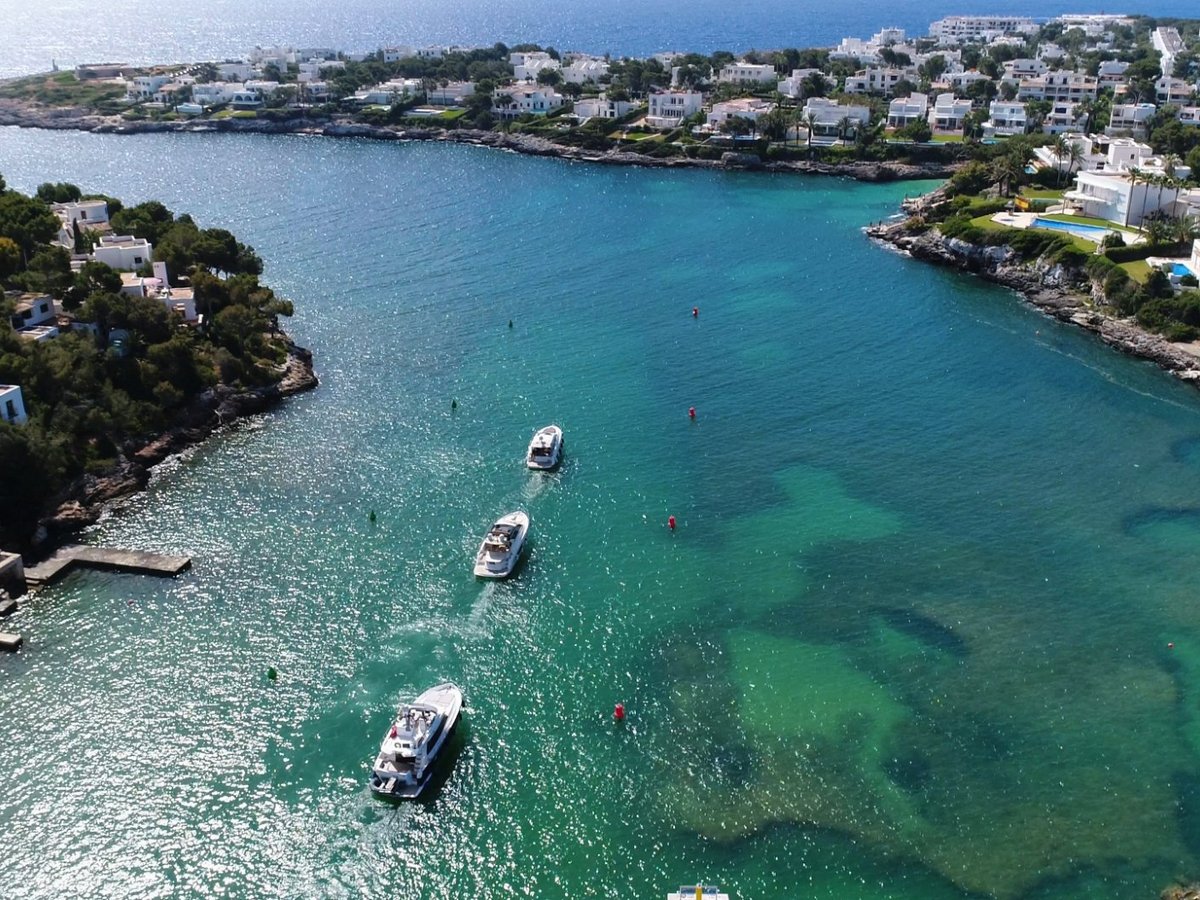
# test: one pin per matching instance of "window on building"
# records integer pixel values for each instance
(10, 410)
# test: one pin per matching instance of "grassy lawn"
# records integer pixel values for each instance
(236, 114)
(947, 139)
(1041, 193)
(985, 223)
(62, 89)
(1139, 270)
(620, 135)
(451, 114)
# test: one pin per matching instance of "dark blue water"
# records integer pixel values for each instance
(144, 31)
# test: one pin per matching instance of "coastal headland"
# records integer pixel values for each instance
(24, 115)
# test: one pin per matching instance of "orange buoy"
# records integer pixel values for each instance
(671, 522)
(691, 412)
(695, 312)
(619, 712)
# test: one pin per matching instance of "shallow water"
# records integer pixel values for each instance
(909, 638)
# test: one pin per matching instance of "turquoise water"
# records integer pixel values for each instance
(1180, 269)
(909, 639)
(1091, 232)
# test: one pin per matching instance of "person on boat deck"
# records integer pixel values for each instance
(392, 733)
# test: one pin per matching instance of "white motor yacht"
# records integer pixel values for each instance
(545, 450)
(501, 547)
(418, 734)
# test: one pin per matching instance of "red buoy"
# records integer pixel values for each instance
(691, 412)
(671, 522)
(619, 712)
(695, 312)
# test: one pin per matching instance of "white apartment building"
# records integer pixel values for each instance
(395, 54)
(1064, 117)
(1167, 42)
(949, 113)
(1112, 72)
(1005, 119)
(388, 92)
(524, 100)
(878, 81)
(1130, 118)
(585, 70)
(747, 73)
(31, 310)
(12, 405)
(962, 29)
(906, 110)
(235, 71)
(123, 251)
(1016, 69)
(1173, 90)
(856, 48)
(1058, 86)
(960, 81)
(669, 108)
(85, 212)
(1188, 115)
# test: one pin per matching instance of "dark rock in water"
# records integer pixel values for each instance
(911, 772)
(734, 763)
(925, 629)
(732, 160)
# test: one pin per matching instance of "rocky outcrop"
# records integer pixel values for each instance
(27, 115)
(86, 499)
(1062, 293)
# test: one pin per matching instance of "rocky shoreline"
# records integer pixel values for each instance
(26, 115)
(86, 499)
(1051, 289)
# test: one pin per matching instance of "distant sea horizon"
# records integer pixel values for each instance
(141, 32)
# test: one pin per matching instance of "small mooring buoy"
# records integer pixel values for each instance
(619, 712)
(671, 522)
(1170, 645)
(271, 673)
(691, 412)
(695, 312)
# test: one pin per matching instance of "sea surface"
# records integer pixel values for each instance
(32, 35)
(910, 638)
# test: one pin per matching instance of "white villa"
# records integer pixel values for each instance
(32, 310)
(12, 405)
(452, 94)
(906, 110)
(143, 87)
(1016, 69)
(525, 100)
(1114, 194)
(602, 108)
(1005, 119)
(669, 108)
(747, 73)
(1130, 118)
(828, 115)
(1188, 115)
(1112, 72)
(85, 212)
(246, 100)
(214, 94)
(123, 251)
(793, 85)
(743, 108)
(388, 92)
(1094, 156)
(949, 113)
(1064, 117)
(235, 71)
(1194, 262)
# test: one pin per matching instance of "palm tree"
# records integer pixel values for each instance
(1087, 109)
(844, 127)
(1006, 170)
(809, 119)
(1185, 229)
(1135, 178)
(1061, 152)
(1075, 155)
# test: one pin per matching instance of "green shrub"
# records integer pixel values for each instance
(1141, 251)
(1112, 239)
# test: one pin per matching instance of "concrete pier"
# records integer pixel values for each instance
(12, 574)
(10, 641)
(137, 561)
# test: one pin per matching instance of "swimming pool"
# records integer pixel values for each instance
(1180, 269)
(1079, 229)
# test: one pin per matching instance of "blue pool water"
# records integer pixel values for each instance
(1091, 232)
(1180, 269)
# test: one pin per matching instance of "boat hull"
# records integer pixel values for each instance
(549, 462)
(408, 786)
(487, 567)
